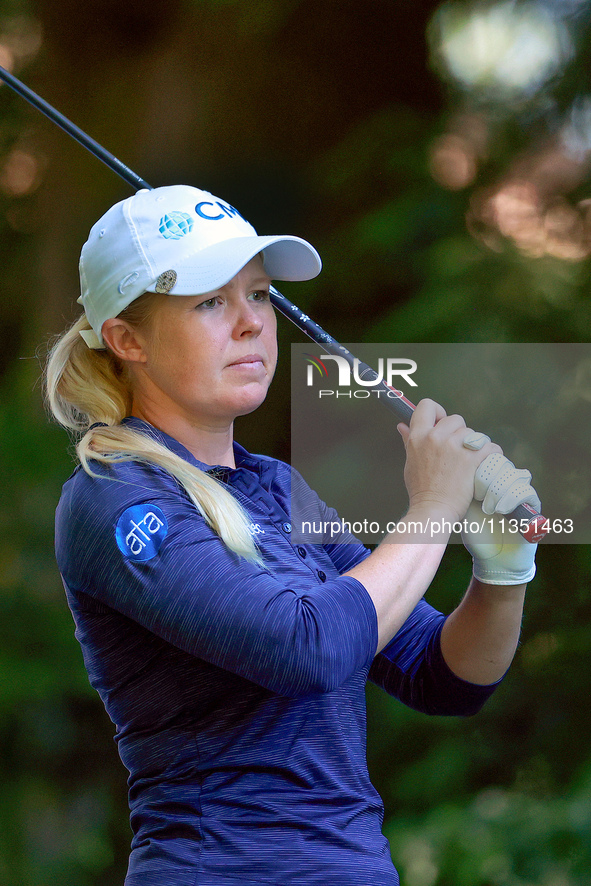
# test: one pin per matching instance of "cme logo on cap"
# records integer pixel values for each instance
(175, 225)
(140, 531)
(216, 211)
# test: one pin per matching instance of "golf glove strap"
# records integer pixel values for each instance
(499, 556)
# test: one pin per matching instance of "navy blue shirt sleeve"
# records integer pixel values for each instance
(138, 545)
(412, 668)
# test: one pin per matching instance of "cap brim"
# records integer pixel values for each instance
(284, 258)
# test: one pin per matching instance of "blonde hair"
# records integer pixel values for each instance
(85, 386)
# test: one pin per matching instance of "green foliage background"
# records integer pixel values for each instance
(321, 119)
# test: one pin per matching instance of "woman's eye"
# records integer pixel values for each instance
(208, 303)
(260, 295)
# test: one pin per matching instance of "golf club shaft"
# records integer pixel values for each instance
(78, 134)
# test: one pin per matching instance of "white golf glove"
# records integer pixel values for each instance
(499, 556)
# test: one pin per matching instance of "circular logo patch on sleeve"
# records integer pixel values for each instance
(140, 531)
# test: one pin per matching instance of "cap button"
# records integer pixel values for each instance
(165, 281)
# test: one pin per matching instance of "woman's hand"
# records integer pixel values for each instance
(439, 471)
(500, 556)
(440, 478)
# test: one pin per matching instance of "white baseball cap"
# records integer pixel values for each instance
(178, 240)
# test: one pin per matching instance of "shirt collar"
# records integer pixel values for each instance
(243, 458)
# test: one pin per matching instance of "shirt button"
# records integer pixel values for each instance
(302, 551)
(321, 575)
(286, 527)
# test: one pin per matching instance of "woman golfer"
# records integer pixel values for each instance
(232, 661)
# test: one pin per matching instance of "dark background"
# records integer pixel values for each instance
(448, 192)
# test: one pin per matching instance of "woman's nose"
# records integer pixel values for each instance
(248, 321)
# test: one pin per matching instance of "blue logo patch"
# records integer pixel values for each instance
(175, 225)
(140, 531)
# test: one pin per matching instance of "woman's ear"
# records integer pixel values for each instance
(123, 340)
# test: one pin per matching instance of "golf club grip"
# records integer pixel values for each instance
(532, 525)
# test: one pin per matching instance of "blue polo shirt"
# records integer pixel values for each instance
(238, 691)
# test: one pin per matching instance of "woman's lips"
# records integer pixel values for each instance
(251, 364)
(249, 359)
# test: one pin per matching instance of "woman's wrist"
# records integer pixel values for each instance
(426, 522)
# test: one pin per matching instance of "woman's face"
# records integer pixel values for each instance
(209, 358)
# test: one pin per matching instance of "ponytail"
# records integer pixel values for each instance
(85, 386)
